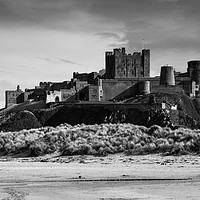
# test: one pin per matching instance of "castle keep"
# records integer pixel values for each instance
(121, 65)
(125, 75)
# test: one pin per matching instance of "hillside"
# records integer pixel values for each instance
(144, 114)
(27, 105)
(20, 116)
(136, 110)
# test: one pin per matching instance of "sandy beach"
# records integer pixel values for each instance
(110, 177)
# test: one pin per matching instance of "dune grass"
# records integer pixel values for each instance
(101, 140)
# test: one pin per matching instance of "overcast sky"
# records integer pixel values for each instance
(47, 40)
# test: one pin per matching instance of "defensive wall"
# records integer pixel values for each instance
(121, 88)
(112, 106)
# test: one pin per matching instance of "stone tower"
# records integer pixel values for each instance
(167, 76)
(194, 73)
(120, 65)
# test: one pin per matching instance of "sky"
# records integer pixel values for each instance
(48, 40)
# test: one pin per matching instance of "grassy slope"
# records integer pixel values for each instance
(100, 140)
(30, 106)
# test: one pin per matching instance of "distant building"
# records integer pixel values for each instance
(37, 94)
(96, 91)
(13, 97)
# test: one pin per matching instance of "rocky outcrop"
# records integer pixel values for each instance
(18, 121)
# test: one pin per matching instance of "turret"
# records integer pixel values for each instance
(167, 76)
(194, 73)
(194, 70)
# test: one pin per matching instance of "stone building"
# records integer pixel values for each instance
(95, 91)
(13, 97)
(36, 94)
(59, 91)
(121, 65)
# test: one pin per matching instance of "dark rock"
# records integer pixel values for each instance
(18, 121)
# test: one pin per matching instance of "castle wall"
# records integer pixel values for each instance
(124, 87)
(79, 85)
(113, 88)
(168, 90)
(120, 64)
(89, 77)
(119, 88)
(133, 65)
(130, 69)
(95, 93)
(67, 94)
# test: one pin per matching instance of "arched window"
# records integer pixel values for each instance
(57, 99)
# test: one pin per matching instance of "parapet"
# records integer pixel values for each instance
(109, 53)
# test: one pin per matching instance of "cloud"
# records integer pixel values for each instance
(58, 60)
(165, 33)
(70, 62)
(46, 59)
(46, 13)
(107, 35)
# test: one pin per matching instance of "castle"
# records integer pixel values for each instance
(125, 75)
(121, 65)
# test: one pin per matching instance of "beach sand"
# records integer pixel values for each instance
(104, 178)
